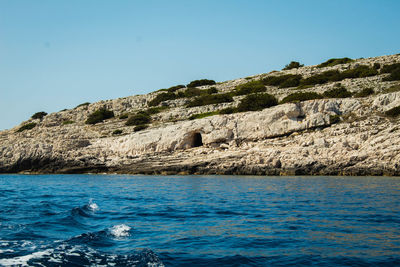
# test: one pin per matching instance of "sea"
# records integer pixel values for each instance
(134, 220)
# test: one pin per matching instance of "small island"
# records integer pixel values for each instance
(335, 118)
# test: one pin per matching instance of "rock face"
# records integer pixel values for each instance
(292, 138)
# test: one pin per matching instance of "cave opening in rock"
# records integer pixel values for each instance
(197, 140)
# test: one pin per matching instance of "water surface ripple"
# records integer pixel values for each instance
(122, 220)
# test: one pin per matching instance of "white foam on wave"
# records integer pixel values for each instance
(120, 230)
(92, 206)
(6, 250)
(23, 260)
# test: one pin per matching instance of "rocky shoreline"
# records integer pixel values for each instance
(328, 136)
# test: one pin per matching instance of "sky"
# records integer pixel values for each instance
(59, 54)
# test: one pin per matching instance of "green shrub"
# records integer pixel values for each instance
(393, 112)
(393, 88)
(83, 105)
(377, 66)
(333, 119)
(390, 68)
(124, 116)
(228, 110)
(249, 88)
(67, 122)
(257, 102)
(360, 71)
(117, 132)
(140, 127)
(155, 110)
(39, 115)
(212, 90)
(175, 88)
(293, 65)
(304, 86)
(365, 92)
(192, 92)
(335, 76)
(201, 82)
(283, 81)
(162, 97)
(301, 96)
(394, 75)
(324, 77)
(27, 127)
(99, 116)
(334, 61)
(210, 99)
(337, 92)
(203, 115)
(138, 119)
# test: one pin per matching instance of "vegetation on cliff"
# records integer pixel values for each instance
(99, 116)
(39, 115)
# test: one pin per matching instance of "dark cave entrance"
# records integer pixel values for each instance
(197, 140)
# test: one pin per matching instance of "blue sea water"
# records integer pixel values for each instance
(122, 220)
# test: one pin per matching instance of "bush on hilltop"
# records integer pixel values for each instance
(293, 65)
(39, 115)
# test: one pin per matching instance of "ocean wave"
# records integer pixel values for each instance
(78, 255)
(120, 230)
(91, 206)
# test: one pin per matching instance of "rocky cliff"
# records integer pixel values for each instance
(335, 134)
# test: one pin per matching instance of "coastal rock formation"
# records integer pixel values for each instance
(328, 136)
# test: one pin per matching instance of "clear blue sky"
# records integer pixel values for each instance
(58, 54)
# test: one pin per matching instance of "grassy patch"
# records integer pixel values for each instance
(203, 115)
(155, 110)
(228, 110)
(25, 127)
(257, 102)
(99, 116)
(335, 61)
(67, 122)
(301, 96)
